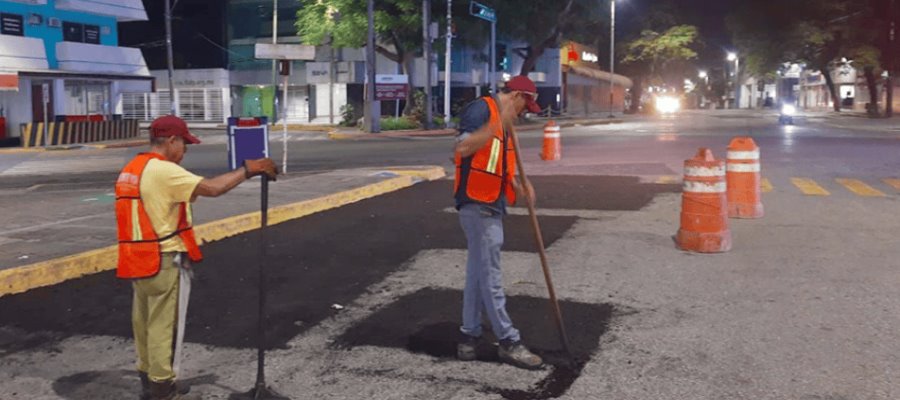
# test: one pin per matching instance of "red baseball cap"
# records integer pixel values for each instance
(521, 83)
(170, 125)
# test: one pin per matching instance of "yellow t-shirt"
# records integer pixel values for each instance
(164, 186)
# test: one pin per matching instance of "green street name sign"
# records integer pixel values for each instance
(482, 11)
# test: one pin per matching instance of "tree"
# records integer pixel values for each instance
(653, 52)
(343, 23)
(544, 23)
(816, 32)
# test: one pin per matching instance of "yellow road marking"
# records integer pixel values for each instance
(893, 182)
(765, 185)
(809, 187)
(860, 188)
(50, 272)
(666, 179)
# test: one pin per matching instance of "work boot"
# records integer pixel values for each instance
(465, 349)
(168, 391)
(514, 353)
(145, 385)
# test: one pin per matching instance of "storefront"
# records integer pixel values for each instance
(586, 87)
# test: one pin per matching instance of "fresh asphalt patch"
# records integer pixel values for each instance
(427, 321)
(331, 258)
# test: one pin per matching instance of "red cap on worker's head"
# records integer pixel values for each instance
(170, 125)
(521, 83)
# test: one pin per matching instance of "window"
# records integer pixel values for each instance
(87, 98)
(11, 24)
(92, 34)
(73, 32)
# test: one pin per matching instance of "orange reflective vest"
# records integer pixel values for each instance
(139, 245)
(483, 176)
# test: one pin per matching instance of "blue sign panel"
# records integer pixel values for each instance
(482, 11)
(248, 139)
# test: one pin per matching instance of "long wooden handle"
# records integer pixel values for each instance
(539, 239)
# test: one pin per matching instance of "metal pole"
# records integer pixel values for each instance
(260, 324)
(45, 99)
(171, 63)
(284, 135)
(372, 117)
(331, 73)
(274, 68)
(447, 64)
(426, 50)
(737, 82)
(612, 52)
(493, 62)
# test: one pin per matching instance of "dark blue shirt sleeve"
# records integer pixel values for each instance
(474, 116)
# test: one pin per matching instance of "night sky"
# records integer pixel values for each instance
(199, 22)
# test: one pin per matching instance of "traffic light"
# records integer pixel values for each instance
(502, 60)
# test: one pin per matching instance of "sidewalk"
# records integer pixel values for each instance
(206, 135)
(532, 124)
(72, 232)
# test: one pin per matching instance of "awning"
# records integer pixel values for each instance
(22, 53)
(9, 82)
(122, 10)
(83, 57)
(597, 74)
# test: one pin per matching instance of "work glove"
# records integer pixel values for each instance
(261, 166)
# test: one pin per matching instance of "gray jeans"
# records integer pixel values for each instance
(484, 281)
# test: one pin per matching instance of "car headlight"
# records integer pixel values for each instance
(788, 109)
(667, 104)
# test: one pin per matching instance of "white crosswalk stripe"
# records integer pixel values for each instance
(50, 166)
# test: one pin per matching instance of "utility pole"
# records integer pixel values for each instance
(171, 62)
(274, 62)
(447, 64)
(889, 82)
(612, 52)
(426, 50)
(372, 108)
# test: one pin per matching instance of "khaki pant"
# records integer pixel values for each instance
(154, 319)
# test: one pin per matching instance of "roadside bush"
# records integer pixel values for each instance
(396, 124)
(348, 115)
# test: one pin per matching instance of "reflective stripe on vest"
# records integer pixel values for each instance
(486, 178)
(139, 245)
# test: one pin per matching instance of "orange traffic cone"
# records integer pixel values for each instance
(742, 175)
(552, 151)
(704, 215)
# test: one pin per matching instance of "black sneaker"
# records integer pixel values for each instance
(515, 354)
(465, 349)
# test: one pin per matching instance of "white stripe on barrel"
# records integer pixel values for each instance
(704, 187)
(704, 171)
(743, 155)
(554, 128)
(551, 135)
(754, 167)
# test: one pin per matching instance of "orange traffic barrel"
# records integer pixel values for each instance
(704, 207)
(742, 175)
(551, 151)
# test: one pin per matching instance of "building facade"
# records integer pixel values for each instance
(60, 62)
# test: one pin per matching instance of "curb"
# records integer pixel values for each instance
(58, 270)
(335, 135)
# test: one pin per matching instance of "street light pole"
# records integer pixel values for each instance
(274, 68)
(170, 61)
(426, 50)
(612, 52)
(447, 64)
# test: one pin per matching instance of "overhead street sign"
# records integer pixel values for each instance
(285, 51)
(482, 11)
